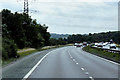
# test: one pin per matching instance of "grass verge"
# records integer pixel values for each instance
(102, 53)
(118, 45)
(22, 54)
(26, 53)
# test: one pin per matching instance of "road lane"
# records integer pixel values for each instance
(21, 67)
(72, 62)
(58, 64)
(96, 67)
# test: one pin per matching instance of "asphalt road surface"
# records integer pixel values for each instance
(72, 62)
(66, 62)
(19, 68)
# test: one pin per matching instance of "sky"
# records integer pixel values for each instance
(70, 16)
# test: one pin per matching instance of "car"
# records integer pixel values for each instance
(113, 46)
(96, 44)
(85, 43)
(75, 44)
(79, 45)
(100, 45)
(104, 44)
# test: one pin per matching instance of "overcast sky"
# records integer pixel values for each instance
(70, 16)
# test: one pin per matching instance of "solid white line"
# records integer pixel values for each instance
(104, 59)
(91, 78)
(30, 72)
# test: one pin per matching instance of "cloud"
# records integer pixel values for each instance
(96, 16)
(73, 16)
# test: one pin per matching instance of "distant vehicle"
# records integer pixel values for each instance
(113, 46)
(84, 43)
(96, 44)
(111, 41)
(75, 44)
(104, 44)
(100, 45)
(79, 45)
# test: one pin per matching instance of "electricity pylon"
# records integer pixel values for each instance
(26, 9)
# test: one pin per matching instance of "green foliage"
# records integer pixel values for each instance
(20, 30)
(9, 49)
(24, 30)
(59, 41)
(96, 37)
(103, 53)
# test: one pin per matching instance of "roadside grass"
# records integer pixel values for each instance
(21, 54)
(5, 62)
(26, 53)
(102, 53)
(118, 45)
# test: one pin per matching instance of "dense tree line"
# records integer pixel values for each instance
(96, 37)
(19, 30)
(59, 41)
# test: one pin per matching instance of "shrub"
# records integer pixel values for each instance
(9, 49)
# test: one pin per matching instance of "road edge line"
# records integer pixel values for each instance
(103, 58)
(30, 72)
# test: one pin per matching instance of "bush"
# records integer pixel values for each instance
(9, 49)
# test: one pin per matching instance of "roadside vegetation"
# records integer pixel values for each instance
(95, 37)
(118, 45)
(20, 31)
(102, 53)
(25, 52)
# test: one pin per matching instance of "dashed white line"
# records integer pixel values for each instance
(69, 54)
(83, 69)
(77, 63)
(91, 78)
(73, 59)
(86, 73)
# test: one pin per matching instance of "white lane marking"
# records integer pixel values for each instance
(91, 78)
(105, 59)
(73, 59)
(76, 63)
(83, 69)
(30, 72)
(86, 73)
(69, 54)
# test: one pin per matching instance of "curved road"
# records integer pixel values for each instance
(72, 62)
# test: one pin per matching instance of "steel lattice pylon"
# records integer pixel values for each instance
(26, 9)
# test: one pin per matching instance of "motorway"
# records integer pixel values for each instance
(65, 62)
(72, 62)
